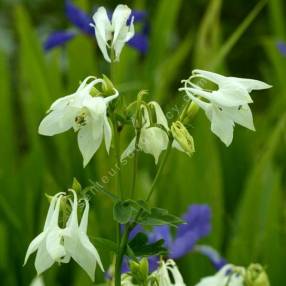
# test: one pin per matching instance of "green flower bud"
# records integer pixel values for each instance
(76, 186)
(256, 276)
(183, 138)
(140, 271)
(107, 86)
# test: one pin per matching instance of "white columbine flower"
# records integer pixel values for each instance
(77, 243)
(40, 244)
(229, 275)
(227, 105)
(167, 270)
(83, 113)
(56, 244)
(115, 33)
(153, 140)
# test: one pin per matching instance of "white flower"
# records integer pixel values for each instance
(227, 105)
(83, 113)
(40, 244)
(229, 275)
(57, 244)
(113, 34)
(153, 140)
(77, 243)
(167, 270)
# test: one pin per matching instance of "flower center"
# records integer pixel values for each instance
(81, 119)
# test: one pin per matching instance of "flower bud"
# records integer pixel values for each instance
(140, 271)
(107, 86)
(183, 137)
(256, 276)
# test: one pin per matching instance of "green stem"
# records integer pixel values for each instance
(135, 163)
(159, 172)
(120, 255)
(121, 242)
(117, 156)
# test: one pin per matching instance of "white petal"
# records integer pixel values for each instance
(107, 134)
(54, 221)
(73, 219)
(84, 219)
(222, 126)
(34, 245)
(153, 141)
(251, 84)
(103, 30)
(111, 97)
(43, 259)
(231, 95)
(84, 82)
(54, 244)
(129, 150)
(119, 20)
(160, 116)
(241, 115)
(52, 209)
(227, 95)
(204, 105)
(214, 77)
(83, 252)
(172, 267)
(58, 121)
(89, 140)
(83, 97)
(62, 102)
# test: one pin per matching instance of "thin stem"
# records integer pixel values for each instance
(135, 163)
(120, 255)
(117, 156)
(121, 241)
(159, 172)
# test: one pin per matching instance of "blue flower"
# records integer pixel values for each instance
(281, 46)
(198, 225)
(82, 20)
(215, 258)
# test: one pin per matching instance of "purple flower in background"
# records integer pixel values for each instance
(281, 46)
(198, 225)
(217, 260)
(82, 21)
(198, 218)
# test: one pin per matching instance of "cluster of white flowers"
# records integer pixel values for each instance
(57, 244)
(86, 112)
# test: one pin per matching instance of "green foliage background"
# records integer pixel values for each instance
(244, 184)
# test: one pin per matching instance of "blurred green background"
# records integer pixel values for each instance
(244, 184)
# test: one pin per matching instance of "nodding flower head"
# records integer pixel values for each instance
(85, 113)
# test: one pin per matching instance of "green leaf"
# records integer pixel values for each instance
(141, 248)
(233, 39)
(159, 216)
(122, 212)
